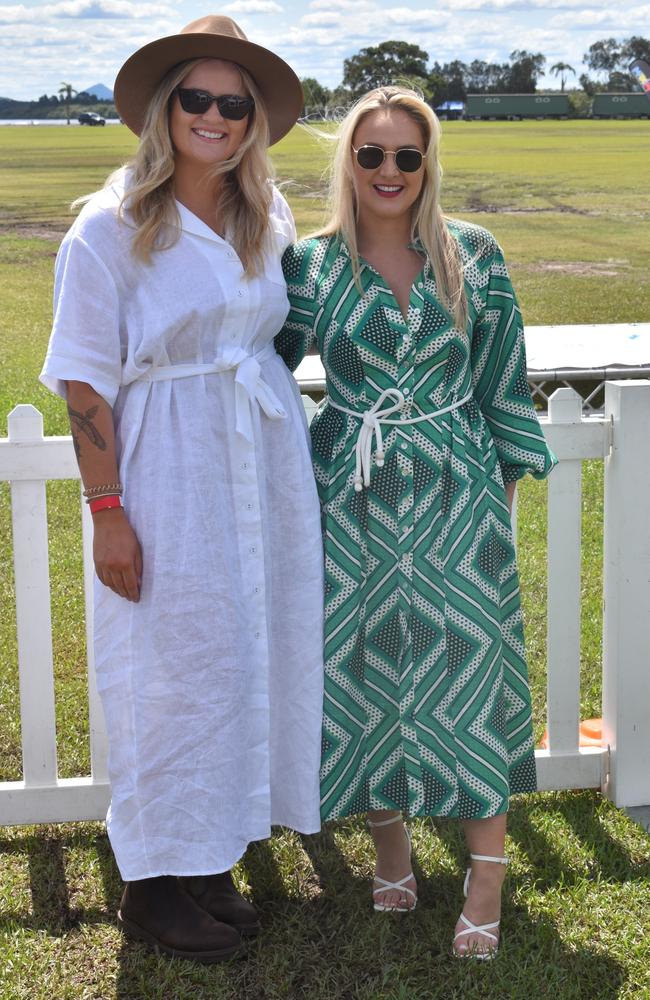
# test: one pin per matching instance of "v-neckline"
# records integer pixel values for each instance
(419, 278)
(192, 223)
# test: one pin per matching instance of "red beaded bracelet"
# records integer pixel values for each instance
(105, 503)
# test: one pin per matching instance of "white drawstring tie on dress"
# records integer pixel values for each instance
(372, 420)
(371, 427)
(250, 387)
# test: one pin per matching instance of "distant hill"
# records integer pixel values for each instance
(96, 98)
(101, 92)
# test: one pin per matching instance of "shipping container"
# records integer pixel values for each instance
(515, 106)
(620, 106)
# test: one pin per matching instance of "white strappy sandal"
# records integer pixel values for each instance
(484, 929)
(401, 886)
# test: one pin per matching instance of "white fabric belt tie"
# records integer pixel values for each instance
(371, 426)
(250, 387)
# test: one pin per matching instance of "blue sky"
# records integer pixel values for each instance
(85, 41)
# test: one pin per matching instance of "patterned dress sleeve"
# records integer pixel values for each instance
(297, 335)
(498, 358)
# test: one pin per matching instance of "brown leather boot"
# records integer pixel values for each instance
(160, 912)
(217, 895)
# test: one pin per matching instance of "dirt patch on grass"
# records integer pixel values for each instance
(34, 231)
(475, 204)
(579, 268)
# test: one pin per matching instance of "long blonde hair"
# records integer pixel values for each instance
(427, 222)
(244, 197)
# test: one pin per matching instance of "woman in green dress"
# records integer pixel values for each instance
(427, 426)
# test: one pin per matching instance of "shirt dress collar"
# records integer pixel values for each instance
(190, 223)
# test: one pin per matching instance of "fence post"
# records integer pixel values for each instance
(34, 625)
(563, 629)
(310, 406)
(626, 649)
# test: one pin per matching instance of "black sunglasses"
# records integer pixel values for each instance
(407, 160)
(231, 106)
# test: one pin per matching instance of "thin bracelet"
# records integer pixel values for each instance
(99, 496)
(94, 491)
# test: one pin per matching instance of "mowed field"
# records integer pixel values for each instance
(568, 202)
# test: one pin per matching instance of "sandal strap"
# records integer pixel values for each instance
(385, 822)
(481, 857)
(385, 885)
(484, 929)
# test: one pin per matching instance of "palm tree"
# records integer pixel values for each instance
(561, 69)
(66, 90)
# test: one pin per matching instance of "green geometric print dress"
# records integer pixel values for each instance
(427, 706)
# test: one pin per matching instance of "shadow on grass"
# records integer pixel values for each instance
(51, 910)
(580, 813)
(325, 942)
(111, 881)
(338, 949)
(331, 868)
(332, 946)
(50, 900)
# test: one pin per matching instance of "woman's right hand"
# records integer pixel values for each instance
(117, 553)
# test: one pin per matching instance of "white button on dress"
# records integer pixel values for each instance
(212, 684)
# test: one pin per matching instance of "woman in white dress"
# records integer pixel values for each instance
(192, 446)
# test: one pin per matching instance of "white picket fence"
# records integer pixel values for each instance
(621, 769)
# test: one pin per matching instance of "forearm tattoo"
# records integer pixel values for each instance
(83, 422)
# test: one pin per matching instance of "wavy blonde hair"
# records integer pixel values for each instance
(427, 223)
(244, 196)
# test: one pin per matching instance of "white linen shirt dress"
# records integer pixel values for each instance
(212, 684)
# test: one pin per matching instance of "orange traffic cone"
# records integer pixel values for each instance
(590, 734)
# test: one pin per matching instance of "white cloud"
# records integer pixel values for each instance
(617, 22)
(343, 5)
(339, 23)
(321, 19)
(345, 27)
(507, 6)
(252, 7)
(41, 60)
(83, 9)
(417, 18)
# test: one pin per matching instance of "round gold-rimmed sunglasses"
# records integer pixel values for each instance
(407, 159)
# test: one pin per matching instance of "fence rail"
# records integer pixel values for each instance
(581, 357)
(620, 769)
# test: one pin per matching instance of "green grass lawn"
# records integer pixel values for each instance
(563, 199)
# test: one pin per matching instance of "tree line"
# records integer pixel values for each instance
(606, 63)
(66, 104)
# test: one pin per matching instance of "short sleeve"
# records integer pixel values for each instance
(499, 375)
(85, 341)
(298, 333)
(282, 221)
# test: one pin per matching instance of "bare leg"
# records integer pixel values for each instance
(483, 904)
(393, 858)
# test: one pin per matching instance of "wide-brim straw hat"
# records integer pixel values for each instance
(212, 37)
